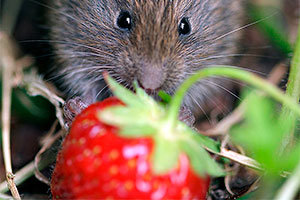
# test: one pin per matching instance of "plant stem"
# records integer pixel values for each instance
(293, 88)
(231, 72)
(7, 63)
(25, 173)
(289, 190)
(291, 186)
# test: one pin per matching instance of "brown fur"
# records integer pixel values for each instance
(87, 41)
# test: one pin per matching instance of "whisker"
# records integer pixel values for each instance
(215, 104)
(80, 55)
(70, 43)
(103, 89)
(203, 111)
(223, 88)
(60, 12)
(79, 69)
(245, 26)
(233, 55)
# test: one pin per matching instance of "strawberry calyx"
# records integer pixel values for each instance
(144, 117)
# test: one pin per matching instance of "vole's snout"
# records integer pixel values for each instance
(151, 78)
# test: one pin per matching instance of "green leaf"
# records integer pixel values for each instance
(139, 91)
(132, 122)
(200, 160)
(137, 130)
(262, 134)
(272, 26)
(207, 142)
(164, 96)
(290, 158)
(121, 115)
(127, 96)
(247, 196)
(203, 140)
(166, 154)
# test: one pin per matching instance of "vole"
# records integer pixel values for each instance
(159, 43)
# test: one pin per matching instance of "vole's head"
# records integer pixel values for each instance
(159, 43)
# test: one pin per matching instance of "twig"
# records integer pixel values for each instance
(36, 86)
(242, 159)
(21, 176)
(225, 141)
(4, 197)
(227, 184)
(49, 140)
(7, 62)
(27, 171)
(236, 116)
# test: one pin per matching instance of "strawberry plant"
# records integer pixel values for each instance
(143, 153)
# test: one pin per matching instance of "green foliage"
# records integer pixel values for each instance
(270, 22)
(30, 109)
(262, 134)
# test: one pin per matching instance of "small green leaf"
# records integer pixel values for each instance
(127, 96)
(200, 160)
(137, 125)
(139, 91)
(166, 155)
(121, 115)
(200, 139)
(207, 142)
(164, 96)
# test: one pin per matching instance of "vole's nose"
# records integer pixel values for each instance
(151, 78)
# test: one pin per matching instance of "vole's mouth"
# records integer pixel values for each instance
(152, 93)
(149, 91)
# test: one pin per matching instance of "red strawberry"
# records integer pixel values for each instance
(97, 163)
(141, 156)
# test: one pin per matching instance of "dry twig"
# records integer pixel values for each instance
(8, 63)
(48, 142)
(35, 86)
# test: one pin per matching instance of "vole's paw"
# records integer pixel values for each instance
(186, 116)
(71, 109)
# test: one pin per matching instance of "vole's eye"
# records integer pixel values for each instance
(124, 20)
(184, 27)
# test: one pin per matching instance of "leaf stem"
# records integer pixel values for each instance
(230, 72)
(293, 87)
